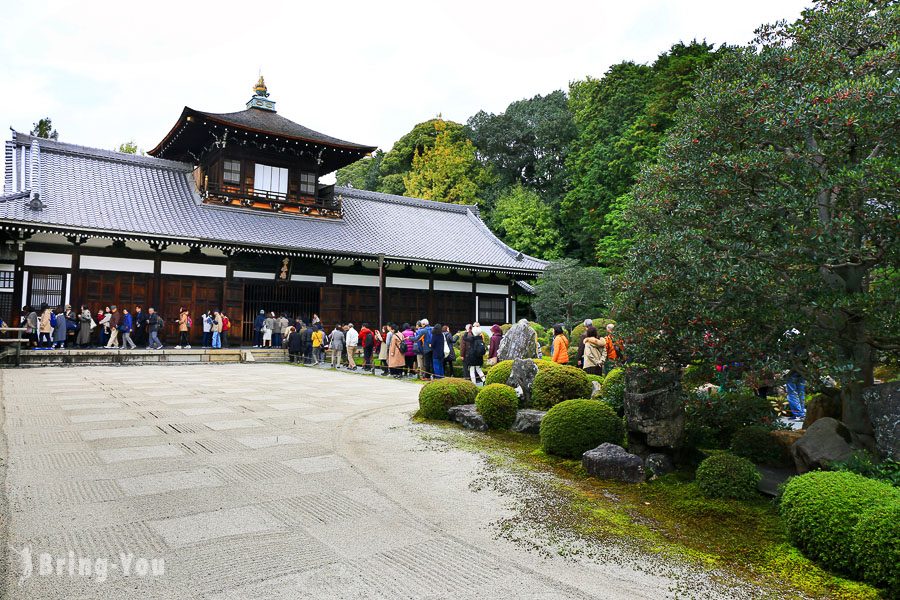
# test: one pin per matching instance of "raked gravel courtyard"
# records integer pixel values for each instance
(256, 481)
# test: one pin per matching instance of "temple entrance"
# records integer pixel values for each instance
(294, 299)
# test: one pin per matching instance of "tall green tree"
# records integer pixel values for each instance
(524, 221)
(448, 171)
(44, 129)
(621, 120)
(364, 174)
(567, 292)
(775, 206)
(527, 144)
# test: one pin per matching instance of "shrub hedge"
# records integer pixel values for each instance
(728, 476)
(755, 443)
(822, 509)
(711, 421)
(573, 427)
(555, 384)
(875, 545)
(613, 390)
(437, 396)
(499, 373)
(497, 403)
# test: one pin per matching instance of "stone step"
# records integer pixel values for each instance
(166, 355)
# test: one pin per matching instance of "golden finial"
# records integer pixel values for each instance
(260, 88)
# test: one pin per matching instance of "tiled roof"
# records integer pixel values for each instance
(109, 192)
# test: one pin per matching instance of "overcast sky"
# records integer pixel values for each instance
(109, 72)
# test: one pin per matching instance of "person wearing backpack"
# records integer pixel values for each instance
(155, 324)
(409, 339)
(184, 323)
(475, 349)
(423, 342)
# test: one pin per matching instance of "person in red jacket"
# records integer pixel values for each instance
(367, 341)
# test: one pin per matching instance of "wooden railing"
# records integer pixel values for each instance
(16, 343)
(229, 192)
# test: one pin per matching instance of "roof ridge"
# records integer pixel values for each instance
(45, 144)
(406, 200)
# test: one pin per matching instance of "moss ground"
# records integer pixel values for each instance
(744, 540)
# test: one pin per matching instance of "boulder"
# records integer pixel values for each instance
(467, 416)
(657, 415)
(609, 461)
(826, 441)
(822, 405)
(519, 342)
(528, 420)
(596, 389)
(522, 377)
(785, 438)
(883, 402)
(657, 465)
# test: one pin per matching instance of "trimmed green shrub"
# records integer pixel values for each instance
(497, 403)
(613, 390)
(598, 378)
(499, 373)
(756, 443)
(875, 544)
(821, 510)
(555, 384)
(437, 396)
(728, 476)
(505, 327)
(710, 421)
(573, 427)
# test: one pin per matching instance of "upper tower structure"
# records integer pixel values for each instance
(256, 158)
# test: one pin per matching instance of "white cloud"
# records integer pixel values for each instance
(108, 72)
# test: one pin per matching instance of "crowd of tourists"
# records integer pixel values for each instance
(399, 350)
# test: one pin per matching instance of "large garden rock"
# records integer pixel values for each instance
(522, 377)
(467, 416)
(822, 405)
(883, 402)
(826, 441)
(519, 342)
(609, 461)
(596, 389)
(657, 415)
(785, 439)
(528, 420)
(657, 464)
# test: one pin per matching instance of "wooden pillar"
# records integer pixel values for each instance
(475, 294)
(380, 290)
(18, 283)
(431, 316)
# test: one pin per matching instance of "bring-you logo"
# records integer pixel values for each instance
(97, 568)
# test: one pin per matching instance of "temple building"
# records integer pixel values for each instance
(229, 212)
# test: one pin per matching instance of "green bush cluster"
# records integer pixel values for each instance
(756, 443)
(827, 514)
(598, 378)
(867, 465)
(573, 427)
(497, 403)
(711, 421)
(613, 390)
(555, 384)
(600, 323)
(876, 546)
(728, 476)
(437, 396)
(499, 373)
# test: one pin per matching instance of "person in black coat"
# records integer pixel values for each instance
(448, 360)
(295, 346)
(305, 344)
(437, 350)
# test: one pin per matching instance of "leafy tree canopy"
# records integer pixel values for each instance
(448, 171)
(128, 147)
(364, 174)
(525, 222)
(567, 293)
(527, 144)
(774, 206)
(44, 129)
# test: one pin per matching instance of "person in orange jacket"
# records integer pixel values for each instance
(560, 345)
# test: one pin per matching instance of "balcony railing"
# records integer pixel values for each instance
(324, 203)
